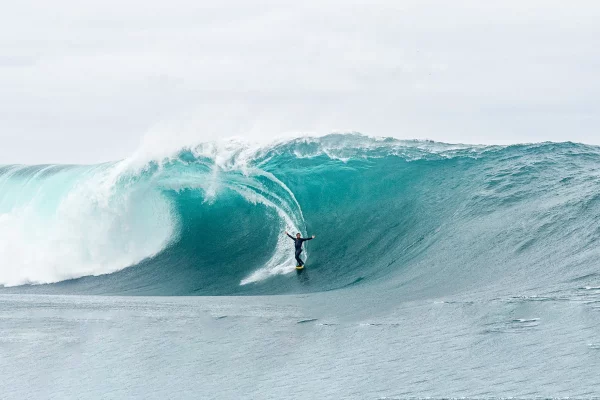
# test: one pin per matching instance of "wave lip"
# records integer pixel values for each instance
(63, 222)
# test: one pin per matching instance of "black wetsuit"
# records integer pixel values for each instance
(298, 243)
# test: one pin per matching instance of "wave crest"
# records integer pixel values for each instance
(208, 219)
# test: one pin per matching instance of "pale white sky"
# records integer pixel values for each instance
(86, 81)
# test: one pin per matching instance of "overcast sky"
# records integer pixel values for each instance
(86, 81)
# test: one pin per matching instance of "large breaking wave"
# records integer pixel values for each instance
(426, 217)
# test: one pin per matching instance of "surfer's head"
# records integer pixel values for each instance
(298, 235)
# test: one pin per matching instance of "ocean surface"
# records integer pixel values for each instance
(438, 271)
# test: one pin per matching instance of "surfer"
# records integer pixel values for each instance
(298, 243)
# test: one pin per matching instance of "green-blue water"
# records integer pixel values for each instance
(448, 270)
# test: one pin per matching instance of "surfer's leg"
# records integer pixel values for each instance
(298, 259)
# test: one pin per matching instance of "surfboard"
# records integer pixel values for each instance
(299, 267)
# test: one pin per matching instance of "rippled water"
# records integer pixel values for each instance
(290, 347)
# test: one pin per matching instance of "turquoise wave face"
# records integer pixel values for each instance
(422, 217)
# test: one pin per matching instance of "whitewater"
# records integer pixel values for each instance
(439, 270)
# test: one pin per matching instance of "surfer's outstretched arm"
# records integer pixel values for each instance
(290, 236)
(310, 238)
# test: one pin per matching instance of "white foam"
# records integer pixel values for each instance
(281, 262)
(94, 230)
